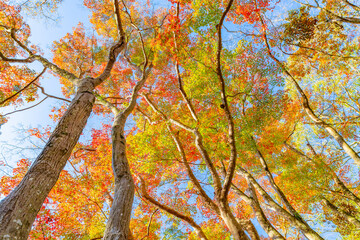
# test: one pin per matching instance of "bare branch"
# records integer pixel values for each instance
(148, 227)
(51, 96)
(25, 87)
(24, 109)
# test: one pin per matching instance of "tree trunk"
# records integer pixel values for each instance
(117, 227)
(232, 224)
(19, 209)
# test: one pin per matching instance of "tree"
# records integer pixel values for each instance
(238, 121)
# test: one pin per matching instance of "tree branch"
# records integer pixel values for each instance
(25, 87)
(172, 211)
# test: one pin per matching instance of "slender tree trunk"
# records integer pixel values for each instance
(249, 228)
(19, 209)
(117, 227)
(260, 215)
(299, 223)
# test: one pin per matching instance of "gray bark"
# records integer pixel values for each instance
(299, 223)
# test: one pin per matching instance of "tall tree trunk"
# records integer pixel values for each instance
(117, 227)
(19, 209)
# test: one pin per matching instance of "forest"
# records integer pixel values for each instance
(222, 119)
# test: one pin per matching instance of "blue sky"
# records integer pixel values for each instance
(43, 33)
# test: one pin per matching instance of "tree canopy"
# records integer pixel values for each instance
(228, 119)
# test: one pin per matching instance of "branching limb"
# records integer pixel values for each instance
(198, 143)
(172, 211)
(51, 96)
(272, 181)
(231, 129)
(149, 225)
(306, 105)
(349, 194)
(24, 109)
(177, 69)
(264, 222)
(192, 176)
(15, 60)
(297, 222)
(46, 63)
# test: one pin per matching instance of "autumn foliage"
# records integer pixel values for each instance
(245, 118)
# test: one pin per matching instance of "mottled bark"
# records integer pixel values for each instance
(231, 222)
(19, 209)
(259, 213)
(249, 228)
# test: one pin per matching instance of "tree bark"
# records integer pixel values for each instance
(117, 227)
(233, 225)
(19, 209)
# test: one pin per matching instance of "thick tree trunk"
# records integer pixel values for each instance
(19, 209)
(117, 227)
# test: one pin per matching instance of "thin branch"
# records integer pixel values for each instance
(198, 143)
(272, 181)
(148, 227)
(25, 87)
(172, 211)
(15, 60)
(342, 213)
(306, 105)
(24, 109)
(46, 63)
(51, 96)
(192, 176)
